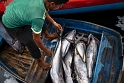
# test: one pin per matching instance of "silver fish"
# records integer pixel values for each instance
(68, 78)
(81, 47)
(91, 53)
(81, 68)
(67, 66)
(67, 41)
(68, 58)
(56, 72)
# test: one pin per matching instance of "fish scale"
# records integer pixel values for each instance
(90, 55)
(67, 41)
(81, 68)
(56, 72)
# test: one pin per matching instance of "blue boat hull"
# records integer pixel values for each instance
(89, 9)
(109, 59)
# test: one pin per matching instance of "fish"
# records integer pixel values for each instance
(82, 37)
(56, 72)
(81, 47)
(68, 78)
(68, 58)
(81, 68)
(67, 61)
(67, 40)
(91, 54)
(74, 72)
(77, 39)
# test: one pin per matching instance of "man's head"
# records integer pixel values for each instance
(55, 4)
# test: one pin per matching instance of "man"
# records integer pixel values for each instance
(24, 21)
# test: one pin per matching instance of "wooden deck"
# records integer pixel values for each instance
(22, 66)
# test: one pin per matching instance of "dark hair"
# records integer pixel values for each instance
(58, 1)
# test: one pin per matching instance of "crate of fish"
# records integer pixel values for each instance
(84, 53)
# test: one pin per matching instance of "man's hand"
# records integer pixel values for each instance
(57, 26)
(47, 52)
(3, 0)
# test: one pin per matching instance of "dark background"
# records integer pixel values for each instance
(105, 18)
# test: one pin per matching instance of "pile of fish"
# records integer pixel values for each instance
(74, 58)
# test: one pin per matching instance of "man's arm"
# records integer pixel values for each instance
(36, 32)
(40, 44)
(56, 25)
(48, 17)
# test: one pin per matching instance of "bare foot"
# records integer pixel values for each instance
(51, 36)
(44, 64)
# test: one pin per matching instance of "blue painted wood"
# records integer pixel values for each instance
(114, 6)
(1, 40)
(109, 58)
